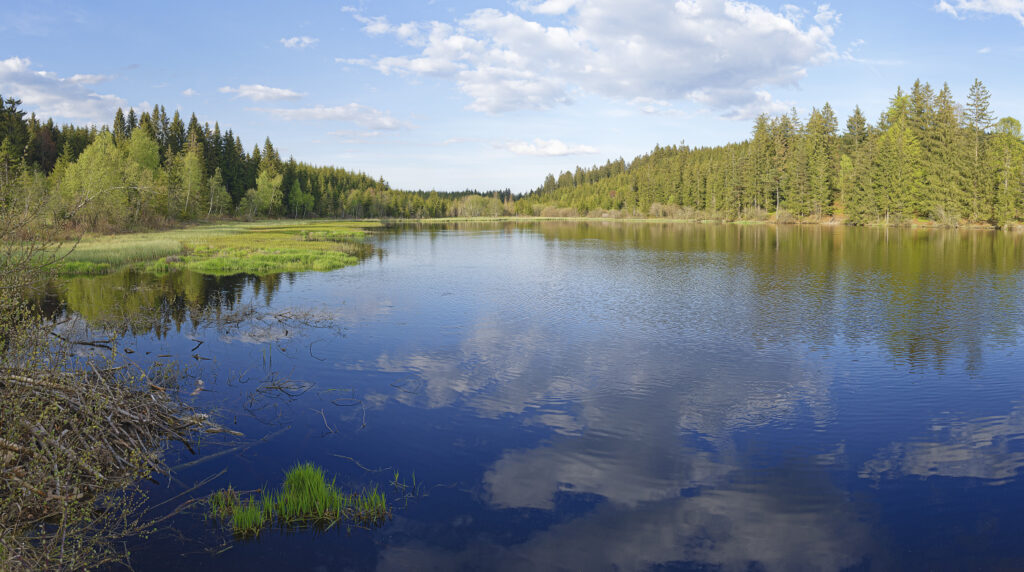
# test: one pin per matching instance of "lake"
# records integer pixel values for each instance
(603, 395)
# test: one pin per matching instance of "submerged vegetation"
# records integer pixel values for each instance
(305, 499)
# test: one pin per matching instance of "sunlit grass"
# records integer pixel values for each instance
(225, 249)
(306, 498)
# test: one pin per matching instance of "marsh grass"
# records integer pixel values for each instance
(225, 249)
(306, 498)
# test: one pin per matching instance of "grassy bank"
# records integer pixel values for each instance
(224, 249)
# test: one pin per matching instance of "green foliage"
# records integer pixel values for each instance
(217, 192)
(302, 204)
(10, 164)
(268, 192)
(926, 158)
(897, 166)
(305, 498)
(144, 151)
(94, 187)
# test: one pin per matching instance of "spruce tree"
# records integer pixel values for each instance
(979, 119)
(175, 136)
(131, 122)
(120, 128)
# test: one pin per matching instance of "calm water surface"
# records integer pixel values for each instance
(589, 396)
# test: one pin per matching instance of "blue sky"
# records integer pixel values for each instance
(450, 95)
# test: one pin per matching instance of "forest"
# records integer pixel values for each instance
(148, 171)
(927, 157)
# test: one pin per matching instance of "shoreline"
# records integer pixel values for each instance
(285, 245)
(914, 224)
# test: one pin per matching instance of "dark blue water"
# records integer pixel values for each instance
(613, 396)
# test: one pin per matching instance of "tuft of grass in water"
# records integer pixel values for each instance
(222, 502)
(250, 517)
(305, 498)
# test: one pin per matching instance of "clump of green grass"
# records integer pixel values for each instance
(77, 268)
(249, 518)
(222, 502)
(306, 498)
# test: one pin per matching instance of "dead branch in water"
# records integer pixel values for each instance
(73, 445)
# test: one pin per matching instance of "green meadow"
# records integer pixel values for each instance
(224, 249)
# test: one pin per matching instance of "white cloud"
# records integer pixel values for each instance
(88, 78)
(944, 6)
(690, 49)
(355, 136)
(374, 26)
(740, 104)
(257, 92)
(547, 148)
(298, 42)
(652, 106)
(1014, 8)
(550, 7)
(189, 92)
(352, 133)
(49, 95)
(359, 114)
(353, 61)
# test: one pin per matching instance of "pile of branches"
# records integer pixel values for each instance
(74, 444)
(76, 438)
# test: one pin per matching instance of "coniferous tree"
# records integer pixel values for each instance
(979, 119)
(947, 162)
(10, 164)
(1007, 152)
(120, 128)
(12, 123)
(856, 132)
(897, 169)
(175, 136)
(131, 122)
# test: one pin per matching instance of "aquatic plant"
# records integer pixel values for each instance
(305, 498)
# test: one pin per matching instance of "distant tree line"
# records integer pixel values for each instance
(927, 157)
(148, 169)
